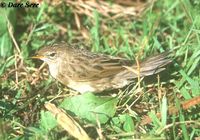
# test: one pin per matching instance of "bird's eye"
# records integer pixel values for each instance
(52, 55)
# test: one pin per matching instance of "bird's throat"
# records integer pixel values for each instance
(53, 68)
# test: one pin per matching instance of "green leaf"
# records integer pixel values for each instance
(128, 125)
(47, 121)
(123, 121)
(5, 41)
(155, 119)
(194, 84)
(3, 65)
(5, 45)
(91, 107)
(95, 32)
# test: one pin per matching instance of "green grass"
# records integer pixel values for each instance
(165, 25)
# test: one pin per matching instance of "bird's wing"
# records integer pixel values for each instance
(96, 67)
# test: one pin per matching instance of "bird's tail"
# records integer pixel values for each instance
(154, 65)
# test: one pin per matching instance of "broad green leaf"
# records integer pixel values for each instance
(47, 121)
(128, 125)
(90, 107)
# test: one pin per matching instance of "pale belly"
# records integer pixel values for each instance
(81, 87)
(78, 86)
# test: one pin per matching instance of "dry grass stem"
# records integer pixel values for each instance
(114, 10)
(67, 122)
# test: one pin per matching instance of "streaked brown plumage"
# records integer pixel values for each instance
(85, 71)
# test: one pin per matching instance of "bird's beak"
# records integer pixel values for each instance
(37, 57)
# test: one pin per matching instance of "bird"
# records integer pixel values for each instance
(86, 71)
